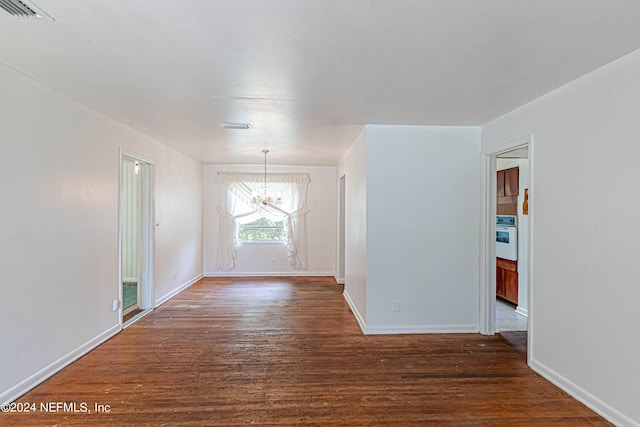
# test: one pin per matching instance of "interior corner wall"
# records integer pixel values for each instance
(422, 229)
(59, 178)
(259, 259)
(584, 209)
(353, 167)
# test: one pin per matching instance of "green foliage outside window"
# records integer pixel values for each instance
(262, 229)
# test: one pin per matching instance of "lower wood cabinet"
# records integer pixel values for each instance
(507, 280)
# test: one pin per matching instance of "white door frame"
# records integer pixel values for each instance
(145, 287)
(342, 197)
(487, 238)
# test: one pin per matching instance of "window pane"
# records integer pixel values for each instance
(261, 230)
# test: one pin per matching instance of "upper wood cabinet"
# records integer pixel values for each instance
(507, 185)
(511, 184)
(500, 184)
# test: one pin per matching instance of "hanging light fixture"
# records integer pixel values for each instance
(266, 198)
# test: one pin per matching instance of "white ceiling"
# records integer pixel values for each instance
(308, 74)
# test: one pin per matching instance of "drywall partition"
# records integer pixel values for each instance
(422, 229)
(584, 291)
(59, 208)
(179, 230)
(353, 167)
(264, 258)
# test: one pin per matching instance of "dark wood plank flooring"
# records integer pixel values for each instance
(287, 351)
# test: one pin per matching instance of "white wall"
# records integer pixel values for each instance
(354, 168)
(59, 207)
(258, 258)
(523, 230)
(586, 235)
(179, 234)
(422, 228)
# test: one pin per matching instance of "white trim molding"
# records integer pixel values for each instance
(43, 374)
(607, 411)
(522, 311)
(422, 329)
(407, 329)
(176, 291)
(487, 320)
(354, 310)
(301, 273)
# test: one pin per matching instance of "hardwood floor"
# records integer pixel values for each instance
(287, 351)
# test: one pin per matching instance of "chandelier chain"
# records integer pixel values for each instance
(265, 198)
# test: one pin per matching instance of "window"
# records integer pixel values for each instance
(261, 230)
(240, 220)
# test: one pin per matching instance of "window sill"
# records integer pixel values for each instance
(263, 242)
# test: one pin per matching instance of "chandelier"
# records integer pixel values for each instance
(265, 198)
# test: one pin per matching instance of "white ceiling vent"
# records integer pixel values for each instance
(23, 9)
(236, 126)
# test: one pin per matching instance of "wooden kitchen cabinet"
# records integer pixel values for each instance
(507, 183)
(500, 184)
(507, 280)
(511, 181)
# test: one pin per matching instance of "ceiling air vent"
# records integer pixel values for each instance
(236, 126)
(23, 9)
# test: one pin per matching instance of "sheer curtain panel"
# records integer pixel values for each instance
(236, 206)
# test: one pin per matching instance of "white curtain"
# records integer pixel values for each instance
(236, 207)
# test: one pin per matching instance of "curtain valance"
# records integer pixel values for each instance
(295, 178)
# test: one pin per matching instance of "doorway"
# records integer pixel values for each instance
(341, 237)
(516, 154)
(512, 182)
(135, 238)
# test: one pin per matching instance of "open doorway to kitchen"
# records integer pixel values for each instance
(512, 225)
(506, 239)
(135, 237)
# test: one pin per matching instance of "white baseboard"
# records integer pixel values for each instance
(607, 411)
(408, 329)
(301, 273)
(176, 291)
(354, 310)
(423, 329)
(339, 280)
(24, 386)
(522, 311)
